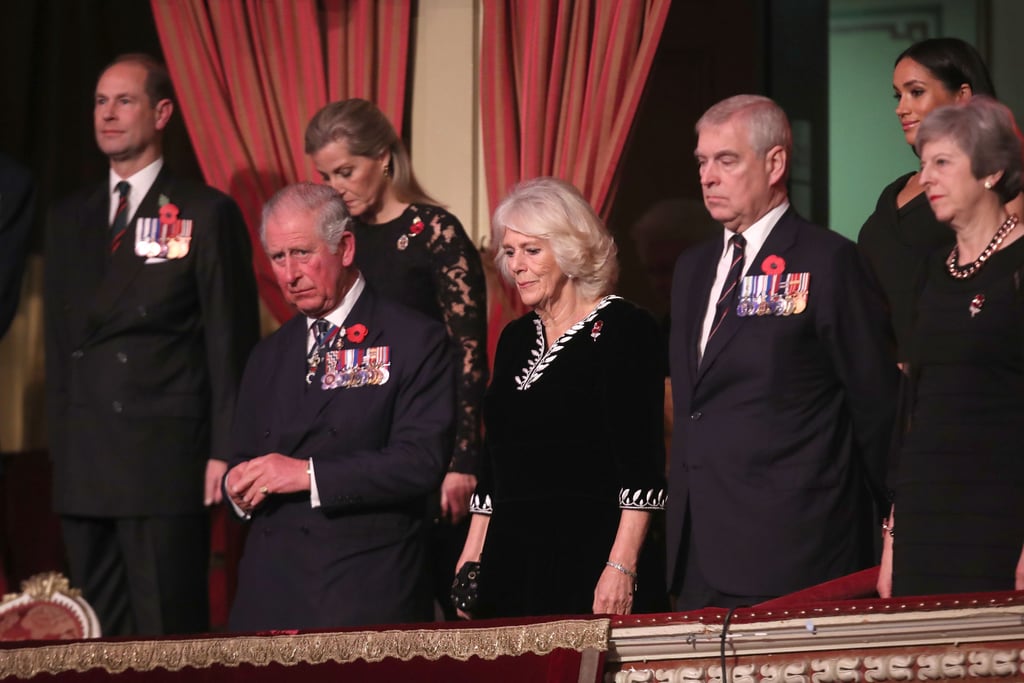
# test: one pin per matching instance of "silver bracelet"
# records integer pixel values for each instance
(622, 568)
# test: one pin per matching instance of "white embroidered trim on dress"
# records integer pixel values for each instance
(541, 359)
(637, 499)
(479, 507)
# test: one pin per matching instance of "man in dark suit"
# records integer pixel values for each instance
(783, 380)
(345, 425)
(151, 311)
(17, 198)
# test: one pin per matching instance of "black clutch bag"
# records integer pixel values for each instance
(466, 587)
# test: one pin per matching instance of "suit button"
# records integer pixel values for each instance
(695, 415)
(266, 434)
(142, 311)
(78, 353)
(116, 405)
(122, 357)
(332, 431)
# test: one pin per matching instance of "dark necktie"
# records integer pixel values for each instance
(120, 224)
(727, 299)
(315, 358)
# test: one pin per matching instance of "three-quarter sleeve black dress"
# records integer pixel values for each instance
(574, 435)
(959, 485)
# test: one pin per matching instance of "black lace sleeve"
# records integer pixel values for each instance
(462, 296)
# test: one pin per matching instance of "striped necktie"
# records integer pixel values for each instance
(727, 299)
(315, 358)
(120, 224)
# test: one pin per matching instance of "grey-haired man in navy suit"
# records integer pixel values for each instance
(345, 426)
(783, 382)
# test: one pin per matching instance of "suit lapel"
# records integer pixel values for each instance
(315, 399)
(89, 241)
(705, 280)
(779, 241)
(125, 266)
(290, 385)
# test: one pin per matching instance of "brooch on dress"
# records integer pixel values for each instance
(414, 229)
(976, 304)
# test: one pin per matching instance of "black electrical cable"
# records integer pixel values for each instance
(725, 632)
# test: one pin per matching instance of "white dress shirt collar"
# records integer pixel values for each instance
(338, 315)
(756, 235)
(141, 182)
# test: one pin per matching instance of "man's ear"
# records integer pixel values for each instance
(347, 249)
(776, 162)
(164, 109)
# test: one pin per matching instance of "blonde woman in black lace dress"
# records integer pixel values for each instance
(415, 252)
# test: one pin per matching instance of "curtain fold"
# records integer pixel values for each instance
(560, 84)
(249, 74)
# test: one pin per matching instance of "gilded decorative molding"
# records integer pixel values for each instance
(314, 648)
(44, 586)
(927, 666)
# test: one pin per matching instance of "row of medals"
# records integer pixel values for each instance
(773, 294)
(359, 367)
(154, 239)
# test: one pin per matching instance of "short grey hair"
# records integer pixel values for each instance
(332, 217)
(554, 210)
(985, 130)
(765, 121)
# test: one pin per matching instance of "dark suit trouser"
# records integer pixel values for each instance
(694, 591)
(142, 575)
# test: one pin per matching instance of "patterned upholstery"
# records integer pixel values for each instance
(47, 608)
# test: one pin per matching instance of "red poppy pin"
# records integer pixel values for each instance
(595, 331)
(356, 333)
(773, 265)
(416, 227)
(168, 214)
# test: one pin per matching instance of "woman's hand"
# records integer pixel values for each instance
(884, 583)
(473, 548)
(614, 593)
(1018, 581)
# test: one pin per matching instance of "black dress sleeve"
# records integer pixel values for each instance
(462, 298)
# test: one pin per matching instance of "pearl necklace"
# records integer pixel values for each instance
(964, 272)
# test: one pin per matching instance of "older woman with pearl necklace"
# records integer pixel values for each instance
(958, 482)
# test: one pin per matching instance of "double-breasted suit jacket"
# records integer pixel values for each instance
(143, 359)
(377, 450)
(781, 431)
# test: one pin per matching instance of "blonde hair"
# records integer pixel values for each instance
(367, 133)
(554, 210)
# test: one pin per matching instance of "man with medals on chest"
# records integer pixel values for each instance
(345, 423)
(783, 382)
(145, 347)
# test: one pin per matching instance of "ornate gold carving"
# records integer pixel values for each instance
(314, 648)
(983, 663)
(43, 586)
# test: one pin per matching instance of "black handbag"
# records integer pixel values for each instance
(466, 587)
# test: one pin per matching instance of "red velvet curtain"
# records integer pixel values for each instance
(249, 74)
(560, 83)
